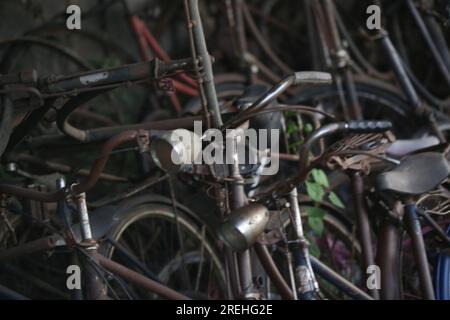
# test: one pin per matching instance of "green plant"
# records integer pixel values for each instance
(317, 188)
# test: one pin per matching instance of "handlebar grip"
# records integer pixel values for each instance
(368, 126)
(312, 77)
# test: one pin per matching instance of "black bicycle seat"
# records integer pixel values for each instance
(415, 175)
(401, 148)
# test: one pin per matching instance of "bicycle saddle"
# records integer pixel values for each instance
(415, 175)
(401, 148)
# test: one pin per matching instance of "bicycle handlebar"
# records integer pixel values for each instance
(367, 126)
(312, 78)
(297, 78)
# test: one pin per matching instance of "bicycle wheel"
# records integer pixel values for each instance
(37, 275)
(175, 250)
(378, 102)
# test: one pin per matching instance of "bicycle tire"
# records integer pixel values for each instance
(396, 108)
(164, 213)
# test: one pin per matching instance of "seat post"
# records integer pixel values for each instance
(389, 258)
(412, 224)
(363, 226)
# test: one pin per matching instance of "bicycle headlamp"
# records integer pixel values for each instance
(243, 226)
(176, 148)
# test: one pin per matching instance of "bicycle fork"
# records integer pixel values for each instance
(307, 285)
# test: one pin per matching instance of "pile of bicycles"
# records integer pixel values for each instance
(224, 173)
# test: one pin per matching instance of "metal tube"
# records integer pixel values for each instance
(152, 69)
(306, 281)
(435, 226)
(132, 259)
(399, 70)
(265, 46)
(271, 94)
(296, 216)
(59, 167)
(362, 220)
(389, 260)
(439, 38)
(203, 57)
(95, 288)
(169, 124)
(104, 133)
(290, 263)
(245, 275)
(429, 41)
(139, 279)
(38, 245)
(333, 28)
(8, 294)
(100, 163)
(415, 232)
(234, 285)
(273, 272)
(85, 226)
(355, 106)
(339, 282)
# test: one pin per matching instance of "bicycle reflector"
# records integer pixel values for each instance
(176, 148)
(243, 226)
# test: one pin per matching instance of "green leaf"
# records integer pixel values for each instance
(314, 249)
(316, 212)
(296, 143)
(315, 191)
(316, 225)
(308, 128)
(291, 128)
(335, 200)
(320, 177)
(288, 114)
(315, 219)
